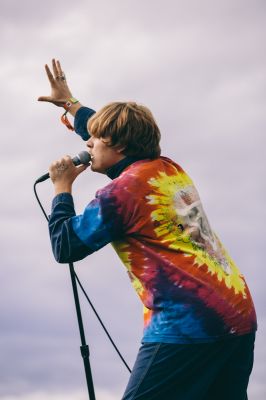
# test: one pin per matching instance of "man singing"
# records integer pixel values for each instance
(199, 318)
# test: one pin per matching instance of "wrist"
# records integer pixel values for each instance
(62, 188)
(72, 105)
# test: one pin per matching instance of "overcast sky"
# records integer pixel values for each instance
(200, 67)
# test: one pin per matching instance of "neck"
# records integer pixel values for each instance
(115, 170)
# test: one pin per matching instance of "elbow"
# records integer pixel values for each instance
(61, 253)
(68, 249)
(66, 256)
(62, 258)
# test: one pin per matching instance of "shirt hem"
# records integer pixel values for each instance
(191, 340)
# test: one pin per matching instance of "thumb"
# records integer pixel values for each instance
(45, 98)
(49, 99)
(81, 168)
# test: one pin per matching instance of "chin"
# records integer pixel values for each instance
(95, 169)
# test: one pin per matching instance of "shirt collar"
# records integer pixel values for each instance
(115, 170)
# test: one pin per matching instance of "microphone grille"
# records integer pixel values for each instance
(84, 157)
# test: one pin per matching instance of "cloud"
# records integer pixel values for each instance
(200, 67)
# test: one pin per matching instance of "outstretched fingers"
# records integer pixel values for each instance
(60, 72)
(60, 91)
(55, 69)
(49, 74)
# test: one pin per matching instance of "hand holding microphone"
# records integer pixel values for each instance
(63, 172)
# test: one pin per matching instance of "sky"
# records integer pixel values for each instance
(200, 67)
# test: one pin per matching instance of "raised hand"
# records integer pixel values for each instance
(60, 91)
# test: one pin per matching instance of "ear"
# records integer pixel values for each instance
(120, 149)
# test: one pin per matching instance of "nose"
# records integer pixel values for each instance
(89, 143)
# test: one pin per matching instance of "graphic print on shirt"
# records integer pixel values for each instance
(184, 226)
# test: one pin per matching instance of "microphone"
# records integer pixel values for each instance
(82, 158)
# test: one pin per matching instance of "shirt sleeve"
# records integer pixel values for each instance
(80, 122)
(73, 237)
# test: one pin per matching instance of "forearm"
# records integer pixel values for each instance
(62, 188)
(66, 246)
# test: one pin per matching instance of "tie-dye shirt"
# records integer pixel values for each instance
(191, 289)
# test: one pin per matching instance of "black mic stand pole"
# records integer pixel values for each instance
(84, 348)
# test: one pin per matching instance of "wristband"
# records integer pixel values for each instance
(69, 103)
(66, 122)
(67, 107)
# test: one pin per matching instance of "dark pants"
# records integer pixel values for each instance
(204, 371)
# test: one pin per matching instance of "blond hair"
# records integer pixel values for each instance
(129, 126)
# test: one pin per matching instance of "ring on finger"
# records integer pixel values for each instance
(62, 77)
(61, 167)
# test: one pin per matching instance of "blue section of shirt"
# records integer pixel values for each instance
(80, 122)
(177, 321)
(98, 225)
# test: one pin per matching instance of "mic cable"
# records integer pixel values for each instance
(41, 179)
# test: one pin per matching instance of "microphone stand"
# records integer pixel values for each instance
(84, 348)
